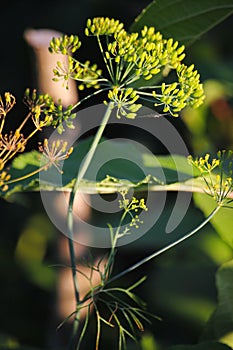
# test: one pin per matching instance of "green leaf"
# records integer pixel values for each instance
(175, 167)
(184, 20)
(202, 346)
(220, 325)
(123, 165)
(222, 221)
(22, 165)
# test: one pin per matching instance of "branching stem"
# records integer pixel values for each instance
(173, 244)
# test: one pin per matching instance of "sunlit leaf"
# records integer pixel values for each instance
(184, 20)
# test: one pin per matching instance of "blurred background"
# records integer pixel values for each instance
(181, 284)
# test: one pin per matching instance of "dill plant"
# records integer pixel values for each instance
(135, 63)
(131, 61)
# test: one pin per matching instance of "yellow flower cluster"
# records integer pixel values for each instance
(148, 51)
(132, 59)
(45, 112)
(42, 112)
(204, 165)
(187, 91)
(132, 206)
(217, 174)
(12, 143)
(55, 152)
(85, 73)
(65, 44)
(124, 101)
(102, 26)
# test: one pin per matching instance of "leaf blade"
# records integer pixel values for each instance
(220, 325)
(184, 20)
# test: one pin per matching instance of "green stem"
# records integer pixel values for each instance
(132, 79)
(144, 93)
(173, 244)
(149, 87)
(114, 239)
(89, 96)
(93, 147)
(27, 175)
(128, 69)
(80, 176)
(104, 58)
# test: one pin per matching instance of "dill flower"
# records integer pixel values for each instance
(217, 175)
(132, 207)
(124, 101)
(44, 112)
(55, 152)
(131, 60)
(7, 103)
(103, 26)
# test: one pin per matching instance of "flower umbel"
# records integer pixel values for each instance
(217, 174)
(132, 60)
(65, 45)
(11, 144)
(42, 112)
(55, 152)
(88, 75)
(178, 95)
(132, 207)
(45, 112)
(103, 26)
(124, 101)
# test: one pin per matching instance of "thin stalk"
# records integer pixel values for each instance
(24, 121)
(149, 87)
(2, 123)
(89, 96)
(10, 155)
(33, 133)
(132, 79)
(105, 60)
(128, 70)
(144, 93)
(119, 68)
(110, 60)
(44, 167)
(114, 239)
(153, 255)
(93, 147)
(80, 176)
(150, 100)
(101, 78)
